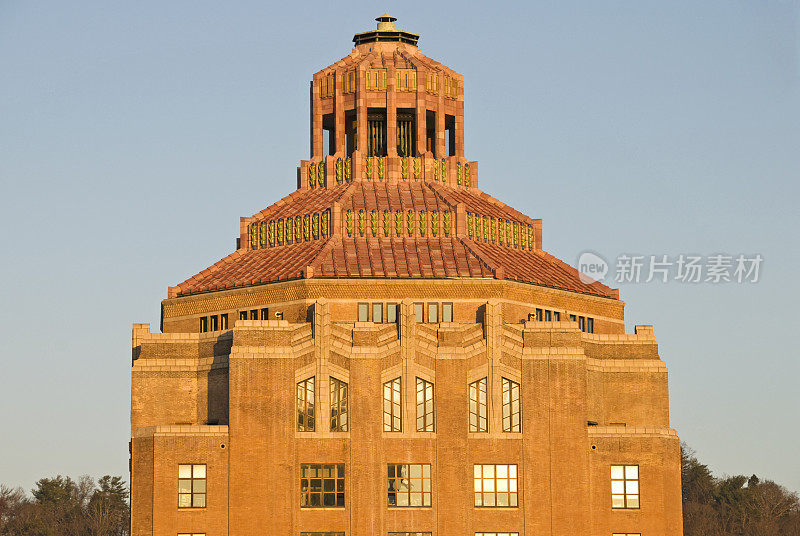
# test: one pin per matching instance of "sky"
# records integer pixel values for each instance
(133, 135)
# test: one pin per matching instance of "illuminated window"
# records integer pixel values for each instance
(447, 312)
(392, 410)
(625, 486)
(511, 406)
(305, 405)
(391, 312)
(338, 405)
(409, 484)
(192, 486)
(433, 313)
(425, 416)
(377, 312)
(321, 485)
(495, 485)
(363, 312)
(478, 406)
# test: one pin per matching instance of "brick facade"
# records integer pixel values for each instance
(591, 396)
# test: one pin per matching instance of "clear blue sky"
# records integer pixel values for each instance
(134, 134)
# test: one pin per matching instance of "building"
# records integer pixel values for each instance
(390, 351)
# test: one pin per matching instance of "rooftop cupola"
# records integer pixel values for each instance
(386, 32)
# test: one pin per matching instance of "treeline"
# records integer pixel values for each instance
(734, 505)
(61, 506)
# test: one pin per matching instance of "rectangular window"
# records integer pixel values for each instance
(409, 534)
(214, 323)
(433, 313)
(625, 486)
(338, 405)
(556, 316)
(447, 312)
(363, 312)
(265, 313)
(409, 484)
(425, 415)
(223, 321)
(192, 534)
(242, 315)
(497, 534)
(322, 534)
(573, 318)
(478, 406)
(305, 405)
(419, 312)
(590, 325)
(377, 313)
(391, 312)
(581, 323)
(321, 485)
(203, 324)
(192, 486)
(539, 314)
(254, 314)
(548, 315)
(392, 410)
(511, 406)
(495, 485)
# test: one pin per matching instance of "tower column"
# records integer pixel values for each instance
(361, 110)
(316, 121)
(391, 111)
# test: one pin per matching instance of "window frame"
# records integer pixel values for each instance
(392, 310)
(509, 386)
(481, 492)
(338, 487)
(426, 409)
(419, 312)
(396, 483)
(396, 406)
(445, 314)
(625, 493)
(377, 307)
(192, 494)
(477, 409)
(304, 407)
(339, 392)
(433, 308)
(362, 306)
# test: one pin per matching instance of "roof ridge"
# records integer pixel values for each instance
(496, 268)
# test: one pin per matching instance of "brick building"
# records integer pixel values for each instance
(390, 351)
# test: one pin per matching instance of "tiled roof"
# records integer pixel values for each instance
(384, 254)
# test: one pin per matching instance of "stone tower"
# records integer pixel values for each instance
(390, 351)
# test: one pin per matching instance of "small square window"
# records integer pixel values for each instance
(447, 312)
(391, 312)
(433, 313)
(363, 312)
(377, 313)
(419, 312)
(573, 318)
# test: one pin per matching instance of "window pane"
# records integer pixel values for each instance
(419, 312)
(363, 312)
(199, 471)
(433, 313)
(377, 312)
(447, 312)
(184, 471)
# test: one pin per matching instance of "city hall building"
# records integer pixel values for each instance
(390, 351)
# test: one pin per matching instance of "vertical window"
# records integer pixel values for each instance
(203, 324)
(265, 313)
(447, 312)
(511, 406)
(242, 315)
(223, 321)
(419, 312)
(409, 484)
(556, 316)
(433, 313)
(338, 405)
(363, 312)
(192, 486)
(377, 312)
(214, 323)
(425, 415)
(392, 410)
(305, 405)
(581, 323)
(548, 315)
(573, 318)
(625, 486)
(539, 314)
(478, 406)
(590, 325)
(321, 485)
(391, 312)
(495, 485)
(254, 314)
